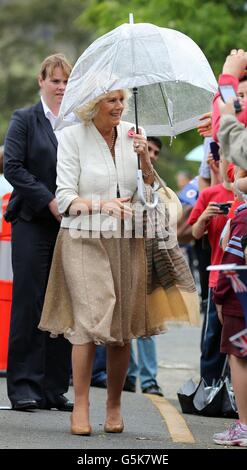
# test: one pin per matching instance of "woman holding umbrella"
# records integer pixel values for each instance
(98, 277)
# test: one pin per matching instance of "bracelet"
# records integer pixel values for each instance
(148, 173)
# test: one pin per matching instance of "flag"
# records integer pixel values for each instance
(189, 194)
(240, 341)
(238, 279)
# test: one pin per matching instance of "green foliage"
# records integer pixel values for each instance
(30, 31)
(216, 26)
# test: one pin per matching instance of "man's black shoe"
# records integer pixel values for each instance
(23, 405)
(129, 386)
(153, 390)
(101, 384)
(60, 403)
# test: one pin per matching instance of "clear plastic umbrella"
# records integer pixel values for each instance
(174, 79)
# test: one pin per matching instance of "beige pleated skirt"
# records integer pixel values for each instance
(97, 290)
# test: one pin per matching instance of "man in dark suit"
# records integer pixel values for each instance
(38, 366)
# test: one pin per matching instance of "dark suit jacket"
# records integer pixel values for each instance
(30, 157)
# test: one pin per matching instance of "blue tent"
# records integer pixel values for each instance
(196, 154)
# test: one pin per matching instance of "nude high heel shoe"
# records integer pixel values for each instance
(80, 430)
(114, 427)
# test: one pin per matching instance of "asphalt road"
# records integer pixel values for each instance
(149, 424)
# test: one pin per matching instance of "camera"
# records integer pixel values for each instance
(224, 207)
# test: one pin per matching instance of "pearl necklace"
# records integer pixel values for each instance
(112, 139)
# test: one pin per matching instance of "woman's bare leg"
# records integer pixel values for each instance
(239, 381)
(82, 364)
(117, 365)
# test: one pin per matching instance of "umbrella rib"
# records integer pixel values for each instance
(162, 93)
(114, 59)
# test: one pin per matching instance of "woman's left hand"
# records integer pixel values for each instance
(141, 146)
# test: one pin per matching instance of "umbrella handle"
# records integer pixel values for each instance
(149, 205)
(135, 93)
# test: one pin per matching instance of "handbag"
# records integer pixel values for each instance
(171, 291)
(168, 195)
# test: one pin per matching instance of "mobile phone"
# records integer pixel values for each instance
(224, 207)
(226, 92)
(214, 148)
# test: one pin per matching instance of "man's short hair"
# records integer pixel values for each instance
(155, 140)
(51, 62)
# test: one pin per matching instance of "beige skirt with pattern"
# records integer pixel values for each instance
(97, 290)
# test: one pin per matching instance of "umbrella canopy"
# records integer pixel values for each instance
(175, 82)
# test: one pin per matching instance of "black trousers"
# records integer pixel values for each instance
(38, 366)
(212, 360)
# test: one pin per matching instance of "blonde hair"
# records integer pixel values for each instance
(51, 62)
(87, 112)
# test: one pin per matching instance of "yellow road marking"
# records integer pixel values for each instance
(176, 424)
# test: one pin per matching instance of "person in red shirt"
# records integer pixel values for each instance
(206, 216)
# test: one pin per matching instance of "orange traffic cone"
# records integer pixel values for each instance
(6, 281)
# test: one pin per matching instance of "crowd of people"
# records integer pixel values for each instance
(83, 291)
(226, 229)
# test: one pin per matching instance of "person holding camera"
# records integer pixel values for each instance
(231, 87)
(232, 133)
(209, 215)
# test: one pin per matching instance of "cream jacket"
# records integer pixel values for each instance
(85, 168)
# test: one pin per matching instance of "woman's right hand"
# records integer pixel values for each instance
(118, 208)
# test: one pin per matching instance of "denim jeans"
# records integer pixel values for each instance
(212, 360)
(99, 366)
(146, 366)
